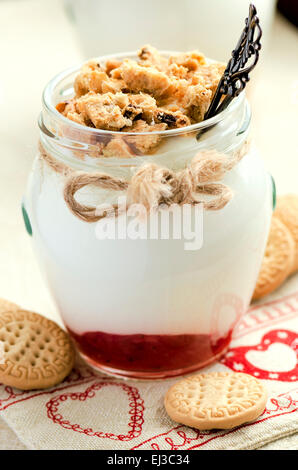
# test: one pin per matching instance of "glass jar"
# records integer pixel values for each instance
(146, 308)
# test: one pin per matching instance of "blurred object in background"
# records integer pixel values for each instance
(212, 26)
(289, 8)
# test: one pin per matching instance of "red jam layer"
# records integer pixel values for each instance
(149, 353)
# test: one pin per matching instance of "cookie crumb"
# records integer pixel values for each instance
(174, 91)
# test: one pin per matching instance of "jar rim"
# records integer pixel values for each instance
(51, 109)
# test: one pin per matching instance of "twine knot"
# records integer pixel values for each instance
(153, 185)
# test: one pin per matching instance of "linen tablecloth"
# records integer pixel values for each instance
(94, 411)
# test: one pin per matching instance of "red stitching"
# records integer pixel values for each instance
(11, 394)
(243, 426)
(76, 377)
(48, 392)
(135, 422)
(136, 411)
(200, 435)
(273, 302)
(248, 331)
(240, 332)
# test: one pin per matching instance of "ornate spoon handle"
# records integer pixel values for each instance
(236, 75)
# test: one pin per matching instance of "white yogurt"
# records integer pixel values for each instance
(152, 286)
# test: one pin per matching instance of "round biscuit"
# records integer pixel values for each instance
(36, 352)
(278, 259)
(218, 400)
(287, 211)
(7, 306)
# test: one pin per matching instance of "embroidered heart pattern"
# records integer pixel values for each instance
(237, 358)
(136, 410)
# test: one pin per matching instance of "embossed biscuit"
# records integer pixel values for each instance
(278, 259)
(7, 306)
(37, 353)
(287, 211)
(218, 400)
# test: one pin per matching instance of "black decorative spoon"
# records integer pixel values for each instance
(236, 75)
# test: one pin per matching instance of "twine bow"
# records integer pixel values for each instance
(153, 185)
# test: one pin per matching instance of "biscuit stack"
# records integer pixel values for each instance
(281, 255)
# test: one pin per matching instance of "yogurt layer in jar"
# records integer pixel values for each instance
(144, 308)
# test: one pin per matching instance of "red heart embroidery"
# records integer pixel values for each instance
(236, 358)
(136, 405)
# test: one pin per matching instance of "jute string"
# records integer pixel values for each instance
(152, 185)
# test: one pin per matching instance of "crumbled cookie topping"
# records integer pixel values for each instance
(105, 111)
(149, 94)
